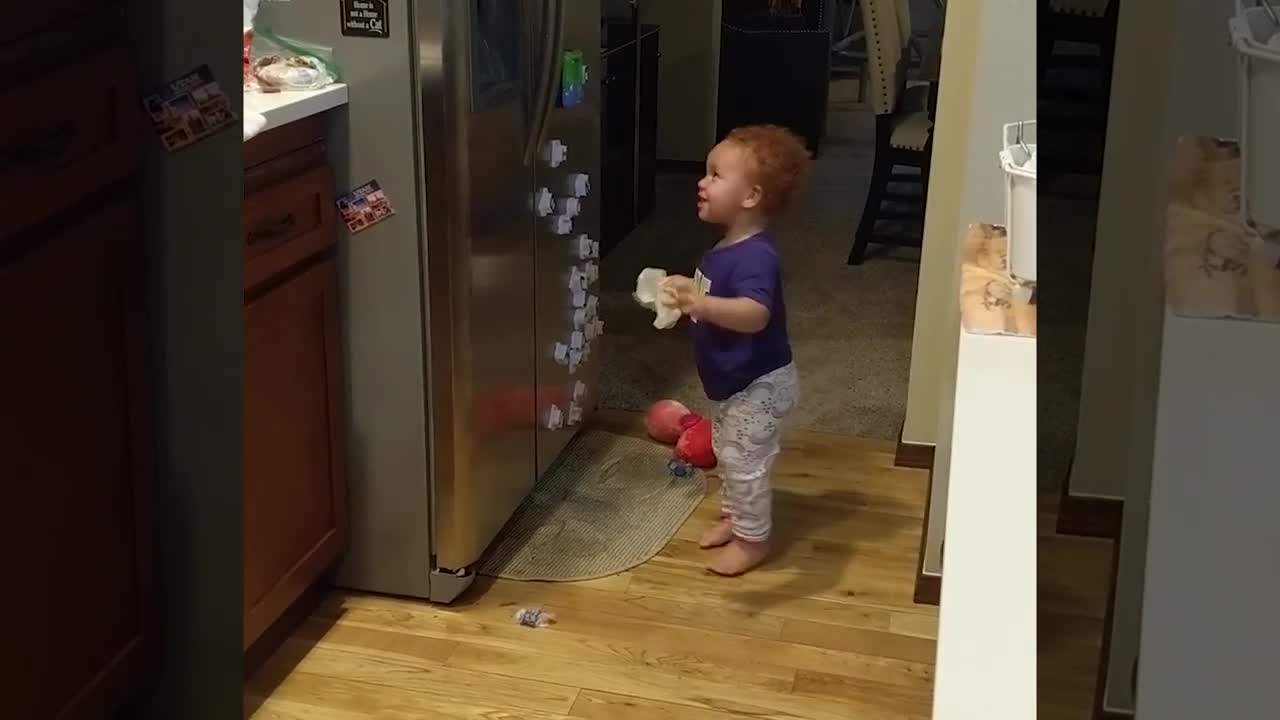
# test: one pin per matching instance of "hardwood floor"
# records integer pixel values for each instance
(826, 631)
(1074, 577)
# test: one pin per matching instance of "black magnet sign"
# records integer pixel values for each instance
(366, 18)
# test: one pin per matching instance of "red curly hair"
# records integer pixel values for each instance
(779, 162)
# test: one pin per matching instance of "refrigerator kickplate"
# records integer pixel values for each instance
(447, 586)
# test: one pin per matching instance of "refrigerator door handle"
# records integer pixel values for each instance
(549, 73)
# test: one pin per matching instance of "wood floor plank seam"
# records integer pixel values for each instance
(666, 624)
(630, 649)
(580, 690)
(525, 712)
(907, 607)
(680, 626)
(701, 713)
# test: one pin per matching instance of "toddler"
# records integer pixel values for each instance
(739, 328)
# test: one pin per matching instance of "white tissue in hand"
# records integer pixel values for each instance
(649, 295)
(647, 285)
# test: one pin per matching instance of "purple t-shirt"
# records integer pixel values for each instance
(729, 361)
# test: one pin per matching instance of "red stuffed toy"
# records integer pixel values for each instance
(694, 445)
(663, 421)
(671, 423)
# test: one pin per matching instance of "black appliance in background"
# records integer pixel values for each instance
(775, 66)
(619, 22)
(628, 119)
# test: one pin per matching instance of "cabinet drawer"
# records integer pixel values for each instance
(287, 223)
(284, 140)
(282, 168)
(67, 134)
(35, 17)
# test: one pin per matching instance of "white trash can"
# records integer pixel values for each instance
(1256, 42)
(1018, 159)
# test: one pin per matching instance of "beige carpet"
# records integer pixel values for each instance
(609, 503)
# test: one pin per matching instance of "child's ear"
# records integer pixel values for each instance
(753, 198)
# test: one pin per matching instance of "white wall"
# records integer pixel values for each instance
(1204, 99)
(194, 209)
(1205, 103)
(1169, 64)
(1208, 628)
(988, 79)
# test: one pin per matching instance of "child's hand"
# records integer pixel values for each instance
(679, 284)
(682, 292)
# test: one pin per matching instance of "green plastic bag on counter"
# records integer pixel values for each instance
(280, 64)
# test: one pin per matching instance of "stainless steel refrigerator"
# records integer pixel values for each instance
(469, 315)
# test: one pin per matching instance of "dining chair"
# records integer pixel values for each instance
(1084, 22)
(904, 134)
(1075, 88)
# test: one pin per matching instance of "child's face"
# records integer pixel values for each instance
(727, 191)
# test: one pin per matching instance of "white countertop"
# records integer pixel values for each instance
(986, 661)
(283, 108)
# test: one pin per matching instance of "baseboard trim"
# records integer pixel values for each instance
(1100, 712)
(682, 167)
(1084, 516)
(1090, 517)
(274, 637)
(928, 590)
(913, 455)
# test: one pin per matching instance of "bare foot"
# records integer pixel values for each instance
(738, 557)
(717, 535)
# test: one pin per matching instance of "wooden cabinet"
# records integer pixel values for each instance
(48, 13)
(76, 432)
(79, 458)
(288, 224)
(294, 496)
(295, 500)
(77, 142)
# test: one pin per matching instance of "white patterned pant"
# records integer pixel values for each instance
(746, 435)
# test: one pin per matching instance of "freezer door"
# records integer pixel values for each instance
(474, 95)
(567, 166)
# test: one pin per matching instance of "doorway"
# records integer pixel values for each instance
(851, 326)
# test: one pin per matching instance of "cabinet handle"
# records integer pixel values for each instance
(46, 147)
(273, 231)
